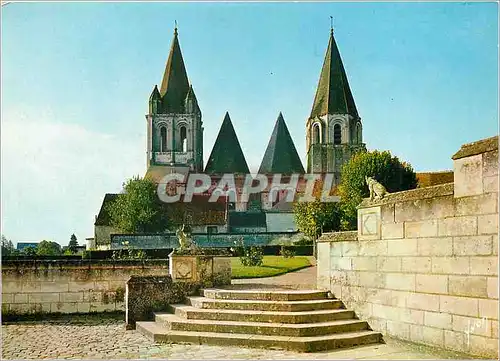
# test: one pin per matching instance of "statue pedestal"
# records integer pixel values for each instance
(212, 270)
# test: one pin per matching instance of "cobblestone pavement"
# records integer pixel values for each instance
(104, 337)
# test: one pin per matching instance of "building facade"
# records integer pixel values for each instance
(175, 145)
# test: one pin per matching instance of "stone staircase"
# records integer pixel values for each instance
(295, 320)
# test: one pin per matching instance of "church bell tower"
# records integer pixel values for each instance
(333, 130)
(175, 129)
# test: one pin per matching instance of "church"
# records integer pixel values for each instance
(175, 145)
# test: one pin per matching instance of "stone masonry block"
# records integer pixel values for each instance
(468, 176)
(364, 263)
(421, 229)
(455, 341)
(492, 287)
(392, 230)
(19, 298)
(484, 346)
(398, 329)
(387, 213)
(431, 283)
(473, 246)
(458, 226)
(439, 246)
(372, 279)
(486, 265)
(54, 286)
(438, 320)
(487, 224)
(450, 265)
(423, 301)
(488, 309)
(399, 281)
(433, 336)
(398, 298)
(490, 184)
(494, 329)
(490, 164)
(476, 205)
(369, 223)
(377, 324)
(372, 248)
(415, 317)
(80, 286)
(424, 209)
(472, 286)
(403, 247)
(388, 264)
(416, 264)
(494, 244)
(472, 325)
(43, 297)
(385, 312)
(66, 307)
(349, 248)
(71, 297)
(7, 298)
(464, 306)
(380, 296)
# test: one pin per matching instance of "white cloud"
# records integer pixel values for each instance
(54, 175)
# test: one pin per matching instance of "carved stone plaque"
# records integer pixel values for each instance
(369, 223)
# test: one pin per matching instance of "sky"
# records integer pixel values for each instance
(76, 78)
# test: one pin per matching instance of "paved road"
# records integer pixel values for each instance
(98, 337)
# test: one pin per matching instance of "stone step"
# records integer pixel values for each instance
(160, 334)
(176, 323)
(262, 295)
(257, 305)
(193, 313)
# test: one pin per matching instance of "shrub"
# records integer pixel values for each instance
(287, 252)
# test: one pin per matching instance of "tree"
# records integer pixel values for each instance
(312, 218)
(73, 244)
(138, 208)
(390, 171)
(7, 247)
(48, 248)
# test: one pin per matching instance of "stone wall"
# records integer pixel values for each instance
(33, 287)
(423, 265)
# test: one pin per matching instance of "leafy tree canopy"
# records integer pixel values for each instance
(138, 209)
(7, 247)
(48, 248)
(313, 218)
(73, 243)
(388, 170)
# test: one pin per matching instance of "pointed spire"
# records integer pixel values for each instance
(175, 84)
(281, 155)
(191, 103)
(155, 101)
(227, 156)
(333, 95)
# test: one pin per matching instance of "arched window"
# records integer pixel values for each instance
(183, 139)
(337, 134)
(316, 134)
(163, 139)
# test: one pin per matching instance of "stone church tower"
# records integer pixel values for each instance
(175, 129)
(333, 130)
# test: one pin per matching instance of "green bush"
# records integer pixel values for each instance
(287, 252)
(249, 256)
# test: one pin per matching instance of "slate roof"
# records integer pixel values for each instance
(226, 155)
(103, 218)
(175, 85)
(333, 95)
(247, 219)
(281, 155)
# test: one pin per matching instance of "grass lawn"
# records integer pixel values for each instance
(271, 266)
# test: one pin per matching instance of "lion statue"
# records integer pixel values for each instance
(377, 190)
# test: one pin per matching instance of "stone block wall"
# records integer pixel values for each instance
(33, 287)
(423, 264)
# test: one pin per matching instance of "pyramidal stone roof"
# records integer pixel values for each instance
(175, 85)
(333, 95)
(226, 155)
(281, 155)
